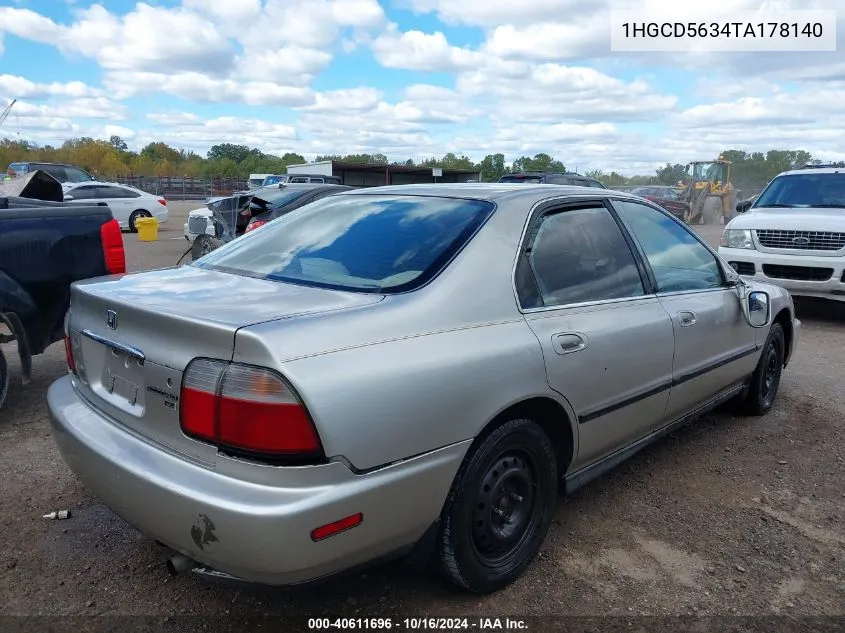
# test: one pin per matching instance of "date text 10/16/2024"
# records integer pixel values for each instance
(418, 624)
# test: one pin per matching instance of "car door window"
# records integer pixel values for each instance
(110, 193)
(679, 261)
(55, 171)
(300, 179)
(580, 255)
(84, 193)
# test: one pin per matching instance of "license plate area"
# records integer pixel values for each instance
(121, 380)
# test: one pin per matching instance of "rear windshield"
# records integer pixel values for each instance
(364, 243)
(275, 197)
(529, 179)
(804, 190)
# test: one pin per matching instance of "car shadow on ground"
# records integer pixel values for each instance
(820, 310)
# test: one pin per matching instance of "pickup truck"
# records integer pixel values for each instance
(45, 246)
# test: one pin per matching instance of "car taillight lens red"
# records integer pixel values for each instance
(254, 225)
(112, 241)
(71, 365)
(162, 202)
(245, 408)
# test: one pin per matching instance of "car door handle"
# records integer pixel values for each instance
(568, 342)
(686, 318)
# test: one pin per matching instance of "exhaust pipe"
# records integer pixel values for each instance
(179, 564)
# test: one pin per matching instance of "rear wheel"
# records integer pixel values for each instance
(763, 388)
(136, 215)
(499, 508)
(203, 245)
(4, 379)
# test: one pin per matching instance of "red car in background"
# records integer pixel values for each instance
(670, 198)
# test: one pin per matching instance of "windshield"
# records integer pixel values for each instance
(804, 190)
(273, 180)
(365, 243)
(701, 172)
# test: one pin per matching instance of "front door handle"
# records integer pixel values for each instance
(686, 318)
(569, 342)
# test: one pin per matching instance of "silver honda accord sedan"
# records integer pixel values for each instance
(411, 370)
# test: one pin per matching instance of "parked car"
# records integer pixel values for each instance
(551, 178)
(296, 178)
(44, 247)
(200, 221)
(793, 234)
(409, 370)
(62, 173)
(269, 206)
(127, 203)
(224, 219)
(670, 198)
(257, 180)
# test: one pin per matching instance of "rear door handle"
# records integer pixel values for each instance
(568, 342)
(686, 318)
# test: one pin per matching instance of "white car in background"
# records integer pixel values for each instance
(127, 204)
(793, 234)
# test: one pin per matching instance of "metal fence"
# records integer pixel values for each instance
(185, 188)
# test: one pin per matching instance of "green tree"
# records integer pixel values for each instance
(235, 153)
(540, 162)
(492, 167)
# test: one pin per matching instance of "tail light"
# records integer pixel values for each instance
(246, 408)
(71, 365)
(112, 241)
(254, 225)
(162, 202)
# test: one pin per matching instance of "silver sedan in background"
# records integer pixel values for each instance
(404, 370)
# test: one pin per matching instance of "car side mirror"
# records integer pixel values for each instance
(756, 308)
(742, 207)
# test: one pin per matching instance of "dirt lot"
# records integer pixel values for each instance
(729, 516)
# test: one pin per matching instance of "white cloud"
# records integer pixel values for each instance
(339, 101)
(87, 108)
(16, 87)
(415, 50)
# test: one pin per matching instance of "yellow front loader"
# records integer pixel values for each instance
(709, 192)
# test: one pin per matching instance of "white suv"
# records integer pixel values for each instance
(794, 234)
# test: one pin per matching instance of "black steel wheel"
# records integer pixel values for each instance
(765, 382)
(499, 509)
(4, 379)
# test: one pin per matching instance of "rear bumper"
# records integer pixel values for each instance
(256, 530)
(767, 265)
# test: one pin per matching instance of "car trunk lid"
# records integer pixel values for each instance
(133, 336)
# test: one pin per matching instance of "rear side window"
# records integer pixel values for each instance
(75, 174)
(364, 243)
(55, 171)
(580, 255)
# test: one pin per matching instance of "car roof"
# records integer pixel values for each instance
(493, 191)
(814, 170)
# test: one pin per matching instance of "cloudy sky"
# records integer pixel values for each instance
(408, 78)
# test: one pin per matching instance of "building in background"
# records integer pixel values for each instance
(375, 175)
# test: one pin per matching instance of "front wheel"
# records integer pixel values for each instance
(499, 508)
(203, 245)
(763, 388)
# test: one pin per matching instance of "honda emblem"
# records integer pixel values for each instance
(111, 319)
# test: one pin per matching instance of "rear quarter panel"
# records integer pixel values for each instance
(384, 402)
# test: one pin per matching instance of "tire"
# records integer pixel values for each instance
(4, 379)
(140, 213)
(765, 381)
(499, 508)
(203, 245)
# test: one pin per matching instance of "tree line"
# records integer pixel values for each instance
(113, 158)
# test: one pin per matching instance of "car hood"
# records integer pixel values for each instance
(800, 219)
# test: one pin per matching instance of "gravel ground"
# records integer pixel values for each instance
(728, 516)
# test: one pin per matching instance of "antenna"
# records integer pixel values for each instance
(6, 111)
